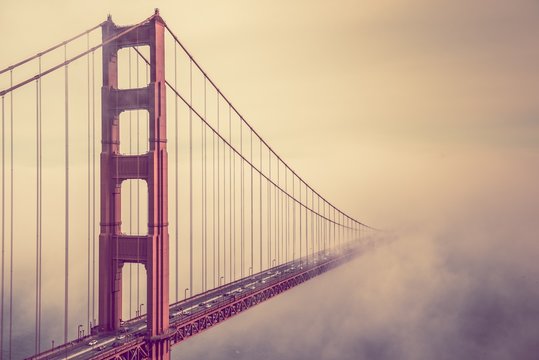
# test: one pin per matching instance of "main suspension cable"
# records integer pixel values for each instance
(40, 54)
(176, 39)
(74, 58)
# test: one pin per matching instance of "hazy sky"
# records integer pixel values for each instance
(420, 116)
(380, 92)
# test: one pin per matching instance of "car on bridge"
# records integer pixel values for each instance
(92, 343)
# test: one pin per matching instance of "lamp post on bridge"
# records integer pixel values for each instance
(185, 293)
(222, 277)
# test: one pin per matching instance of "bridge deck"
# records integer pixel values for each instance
(193, 315)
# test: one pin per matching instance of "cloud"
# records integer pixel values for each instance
(461, 287)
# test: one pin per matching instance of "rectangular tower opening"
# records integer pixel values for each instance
(134, 207)
(134, 132)
(133, 291)
(133, 71)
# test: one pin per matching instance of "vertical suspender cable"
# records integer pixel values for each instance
(284, 213)
(324, 225)
(294, 218)
(3, 227)
(300, 222)
(190, 176)
(252, 238)
(287, 211)
(269, 209)
(230, 190)
(37, 219)
(219, 189)
(334, 229)
(66, 294)
(312, 224)
(224, 190)
(218, 201)
(260, 188)
(93, 187)
(11, 220)
(308, 210)
(318, 225)
(242, 164)
(202, 186)
(88, 195)
(213, 209)
(233, 261)
(277, 217)
(37, 327)
(130, 191)
(214, 163)
(40, 212)
(138, 311)
(205, 197)
(224, 209)
(176, 174)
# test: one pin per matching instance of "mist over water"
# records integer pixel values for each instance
(417, 117)
(460, 283)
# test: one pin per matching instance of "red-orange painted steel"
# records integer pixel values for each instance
(115, 249)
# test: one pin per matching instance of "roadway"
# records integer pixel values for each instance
(185, 310)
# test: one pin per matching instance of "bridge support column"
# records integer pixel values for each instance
(115, 248)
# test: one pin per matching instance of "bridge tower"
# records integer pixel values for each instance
(115, 248)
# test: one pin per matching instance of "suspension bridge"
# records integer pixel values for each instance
(183, 217)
